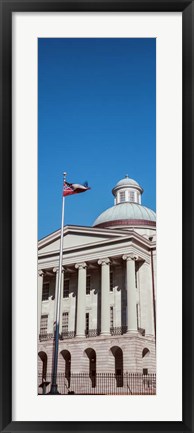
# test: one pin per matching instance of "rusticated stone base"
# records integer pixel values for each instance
(138, 353)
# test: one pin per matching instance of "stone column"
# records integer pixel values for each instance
(81, 300)
(40, 286)
(131, 293)
(105, 301)
(61, 309)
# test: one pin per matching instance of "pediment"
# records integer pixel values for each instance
(74, 237)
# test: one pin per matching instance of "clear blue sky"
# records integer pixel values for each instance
(97, 121)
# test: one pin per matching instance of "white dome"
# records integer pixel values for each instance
(127, 182)
(126, 214)
(127, 210)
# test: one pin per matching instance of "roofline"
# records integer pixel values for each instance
(64, 227)
(56, 234)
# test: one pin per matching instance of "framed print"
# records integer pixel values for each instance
(96, 292)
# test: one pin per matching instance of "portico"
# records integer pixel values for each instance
(107, 290)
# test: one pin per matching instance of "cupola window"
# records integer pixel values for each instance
(131, 196)
(122, 196)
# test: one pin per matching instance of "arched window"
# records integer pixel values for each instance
(42, 365)
(145, 352)
(91, 354)
(66, 355)
(118, 355)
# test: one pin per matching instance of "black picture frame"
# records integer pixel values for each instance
(6, 9)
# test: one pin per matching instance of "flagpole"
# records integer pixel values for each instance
(54, 387)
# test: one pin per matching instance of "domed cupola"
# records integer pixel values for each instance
(127, 211)
(127, 190)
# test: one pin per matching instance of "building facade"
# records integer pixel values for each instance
(107, 314)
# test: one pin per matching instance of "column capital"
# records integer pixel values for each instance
(41, 273)
(82, 265)
(103, 262)
(56, 270)
(130, 257)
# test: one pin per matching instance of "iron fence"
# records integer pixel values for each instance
(88, 333)
(45, 336)
(100, 383)
(66, 335)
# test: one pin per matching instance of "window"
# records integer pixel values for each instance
(122, 196)
(145, 352)
(45, 292)
(43, 324)
(111, 281)
(66, 288)
(65, 320)
(87, 323)
(88, 280)
(111, 317)
(136, 278)
(145, 371)
(131, 195)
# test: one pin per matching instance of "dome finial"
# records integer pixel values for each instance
(126, 176)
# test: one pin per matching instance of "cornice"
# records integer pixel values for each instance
(128, 222)
(94, 256)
